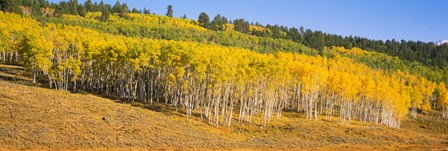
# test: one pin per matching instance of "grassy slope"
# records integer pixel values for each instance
(38, 118)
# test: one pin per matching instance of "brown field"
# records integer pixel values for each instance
(35, 118)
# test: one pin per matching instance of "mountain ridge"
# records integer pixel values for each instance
(441, 42)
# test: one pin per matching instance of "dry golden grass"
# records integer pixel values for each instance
(35, 118)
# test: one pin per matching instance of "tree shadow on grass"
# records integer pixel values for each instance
(16, 74)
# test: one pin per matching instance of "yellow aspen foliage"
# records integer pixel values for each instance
(213, 80)
(442, 98)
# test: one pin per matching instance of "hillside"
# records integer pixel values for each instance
(108, 78)
(162, 27)
(40, 118)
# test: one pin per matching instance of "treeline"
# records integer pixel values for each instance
(72, 7)
(213, 81)
(163, 27)
(426, 53)
(131, 23)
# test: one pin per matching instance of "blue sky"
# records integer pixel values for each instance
(423, 20)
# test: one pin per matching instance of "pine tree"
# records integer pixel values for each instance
(136, 11)
(101, 6)
(169, 11)
(146, 11)
(117, 7)
(43, 3)
(108, 7)
(241, 25)
(105, 15)
(10, 6)
(88, 6)
(26, 3)
(204, 20)
(36, 11)
(62, 8)
(81, 10)
(218, 23)
(73, 7)
(124, 11)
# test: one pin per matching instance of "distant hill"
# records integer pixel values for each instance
(441, 42)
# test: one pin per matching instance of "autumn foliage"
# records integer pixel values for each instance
(214, 81)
